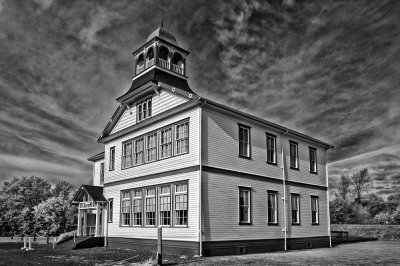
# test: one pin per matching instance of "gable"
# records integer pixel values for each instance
(162, 102)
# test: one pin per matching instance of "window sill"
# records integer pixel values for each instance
(314, 173)
(110, 170)
(274, 224)
(245, 223)
(244, 157)
(110, 222)
(315, 224)
(295, 168)
(296, 224)
(272, 163)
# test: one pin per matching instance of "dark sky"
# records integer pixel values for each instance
(330, 69)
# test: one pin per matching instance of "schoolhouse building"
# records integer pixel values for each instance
(218, 180)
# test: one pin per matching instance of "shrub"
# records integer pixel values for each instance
(65, 236)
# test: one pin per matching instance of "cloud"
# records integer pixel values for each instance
(44, 4)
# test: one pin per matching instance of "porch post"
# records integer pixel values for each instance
(79, 221)
(96, 232)
(84, 223)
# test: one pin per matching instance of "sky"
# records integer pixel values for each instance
(329, 69)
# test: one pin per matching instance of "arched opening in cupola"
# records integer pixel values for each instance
(163, 57)
(140, 63)
(150, 57)
(177, 63)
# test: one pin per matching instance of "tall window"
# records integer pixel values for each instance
(181, 204)
(112, 159)
(244, 141)
(294, 155)
(110, 210)
(182, 138)
(150, 206)
(272, 207)
(314, 210)
(165, 143)
(313, 160)
(151, 149)
(137, 207)
(101, 173)
(165, 205)
(138, 154)
(271, 149)
(143, 109)
(126, 208)
(244, 205)
(127, 154)
(295, 205)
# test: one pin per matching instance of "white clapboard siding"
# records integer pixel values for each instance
(160, 103)
(181, 161)
(96, 172)
(189, 233)
(221, 210)
(220, 148)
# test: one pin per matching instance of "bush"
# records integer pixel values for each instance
(65, 237)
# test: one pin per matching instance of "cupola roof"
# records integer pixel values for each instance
(164, 34)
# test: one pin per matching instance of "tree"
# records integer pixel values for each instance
(62, 189)
(361, 183)
(344, 187)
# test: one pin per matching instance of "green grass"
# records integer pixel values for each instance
(382, 232)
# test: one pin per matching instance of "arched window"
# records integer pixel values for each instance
(177, 63)
(150, 57)
(140, 64)
(163, 57)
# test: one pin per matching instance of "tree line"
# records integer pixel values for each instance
(33, 205)
(354, 204)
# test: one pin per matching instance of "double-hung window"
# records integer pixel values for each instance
(139, 153)
(295, 206)
(181, 204)
(143, 109)
(166, 143)
(272, 207)
(125, 208)
(110, 210)
(112, 159)
(244, 205)
(271, 149)
(182, 138)
(244, 141)
(150, 207)
(314, 210)
(137, 207)
(151, 148)
(127, 154)
(313, 160)
(101, 173)
(165, 205)
(294, 155)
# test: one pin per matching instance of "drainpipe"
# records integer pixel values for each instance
(200, 173)
(327, 200)
(284, 190)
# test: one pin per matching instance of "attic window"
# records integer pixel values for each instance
(143, 109)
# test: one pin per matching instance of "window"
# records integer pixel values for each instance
(137, 207)
(294, 155)
(295, 205)
(143, 109)
(271, 149)
(112, 159)
(101, 173)
(244, 141)
(126, 208)
(313, 160)
(150, 206)
(165, 205)
(138, 154)
(244, 205)
(166, 143)
(181, 204)
(126, 155)
(272, 208)
(151, 149)
(110, 210)
(314, 210)
(182, 138)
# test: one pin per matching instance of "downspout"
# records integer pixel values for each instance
(284, 191)
(327, 200)
(200, 173)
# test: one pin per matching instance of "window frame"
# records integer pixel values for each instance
(154, 136)
(135, 198)
(315, 164)
(143, 111)
(316, 198)
(101, 181)
(275, 151)
(249, 216)
(171, 142)
(124, 199)
(111, 165)
(185, 138)
(124, 154)
(174, 217)
(110, 210)
(275, 194)
(146, 197)
(296, 158)
(169, 204)
(297, 197)
(136, 152)
(244, 127)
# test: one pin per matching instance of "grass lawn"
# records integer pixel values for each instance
(364, 253)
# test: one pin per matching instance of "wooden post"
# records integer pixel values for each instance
(79, 221)
(34, 235)
(22, 234)
(24, 244)
(159, 246)
(48, 232)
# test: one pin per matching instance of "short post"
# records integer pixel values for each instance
(34, 235)
(24, 243)
(48, 231)
(30, 243)
(159, 246)
(54, 242)
(74, 236)
(22, 234)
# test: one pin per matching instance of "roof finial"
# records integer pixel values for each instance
(162, 22)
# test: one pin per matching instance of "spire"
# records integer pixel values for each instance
(162, 22)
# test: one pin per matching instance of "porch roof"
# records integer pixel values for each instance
(95, 192)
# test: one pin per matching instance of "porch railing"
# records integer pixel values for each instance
(139, 69)
(87, 205)
(149, 63)
(177, 69)
(91, 231)
(163, 63)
